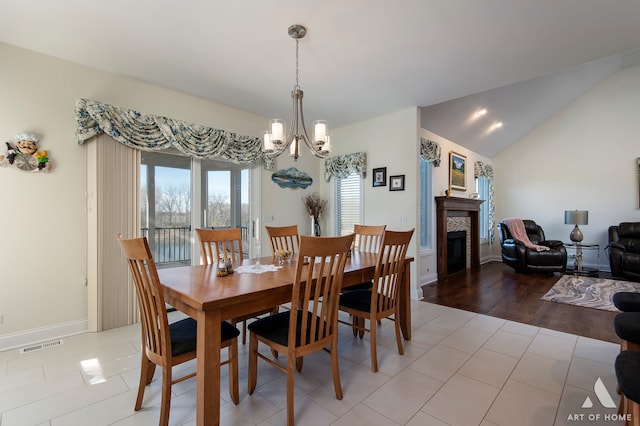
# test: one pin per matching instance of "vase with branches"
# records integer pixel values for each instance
(315, 206)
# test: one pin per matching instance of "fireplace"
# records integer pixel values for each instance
(457, 214)
(456, 251)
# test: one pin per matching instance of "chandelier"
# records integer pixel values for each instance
(276, 141)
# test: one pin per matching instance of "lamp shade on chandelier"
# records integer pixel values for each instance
(277, 139)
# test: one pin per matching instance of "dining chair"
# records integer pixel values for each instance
(627, 365)
(217, 242)
(312, 322)
(368, 237)
(163, 344)
(226, 242)
(283, 238)
(382, 300)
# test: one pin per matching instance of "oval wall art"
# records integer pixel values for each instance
(291, 178)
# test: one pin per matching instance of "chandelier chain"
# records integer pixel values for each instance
(297, 80)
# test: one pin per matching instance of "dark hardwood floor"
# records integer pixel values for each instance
(494, 289)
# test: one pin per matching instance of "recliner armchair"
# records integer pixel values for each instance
(624, 250)
(524, 259)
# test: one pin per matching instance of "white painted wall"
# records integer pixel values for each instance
(44, 222)
(440, 185)
(389, 141)
(582, 158)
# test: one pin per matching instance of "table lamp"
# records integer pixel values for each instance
(576, 217)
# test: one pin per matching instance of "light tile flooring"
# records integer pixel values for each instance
(460, 368)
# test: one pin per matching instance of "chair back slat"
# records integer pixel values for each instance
(214, 242)
(283, 238)
(153, 312)
(368, 237)
(389, 269)
(316, 288)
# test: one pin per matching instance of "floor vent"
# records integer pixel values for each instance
(43, 345)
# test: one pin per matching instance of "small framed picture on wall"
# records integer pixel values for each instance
(380, 176)
(396, 183)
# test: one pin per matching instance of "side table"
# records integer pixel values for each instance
(578, 267)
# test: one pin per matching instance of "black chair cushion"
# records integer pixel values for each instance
(627, 301)
(276, 327)
(356, 299)
(628, 374)
(627, 326)
(184, 335)
(362, 286)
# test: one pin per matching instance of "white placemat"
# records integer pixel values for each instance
(256, 269)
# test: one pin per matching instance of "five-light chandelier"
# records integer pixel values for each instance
(276, 141)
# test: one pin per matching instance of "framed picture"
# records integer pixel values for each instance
(380, 177)
(457, 171)
(396, 183)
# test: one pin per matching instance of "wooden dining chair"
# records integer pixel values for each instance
(283, 238)
(382, 300)
(312, 322)
(216, 242)
(368, 237)
(163, 344)
(213, 243)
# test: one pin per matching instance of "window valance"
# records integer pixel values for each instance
(148, 132)
(430, 151)
(342, 166)
(486, 171)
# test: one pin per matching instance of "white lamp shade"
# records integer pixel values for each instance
(319, 132)
(276, 127)
(266, 142)
(326, 148)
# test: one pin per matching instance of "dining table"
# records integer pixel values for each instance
(200, 293)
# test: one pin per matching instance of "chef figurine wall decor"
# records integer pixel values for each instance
(24, 154)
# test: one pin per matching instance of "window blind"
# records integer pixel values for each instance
(348, 203)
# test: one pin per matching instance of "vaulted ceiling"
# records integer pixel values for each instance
(522, 60)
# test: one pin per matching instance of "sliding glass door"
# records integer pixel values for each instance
(178, 192)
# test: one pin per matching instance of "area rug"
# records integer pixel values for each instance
(590, 292)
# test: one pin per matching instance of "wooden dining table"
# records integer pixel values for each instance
(198, 292)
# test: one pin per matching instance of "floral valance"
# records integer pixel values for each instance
(430, 151)
(486, 171)
(483, 170)
(148, 132)
(343, 165)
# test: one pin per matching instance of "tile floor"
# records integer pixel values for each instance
(460, 368)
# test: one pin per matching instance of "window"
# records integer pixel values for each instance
(482, 188)
(426, 171)
(348, 203)
(168, 202)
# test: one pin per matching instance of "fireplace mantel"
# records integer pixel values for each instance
(456, 206)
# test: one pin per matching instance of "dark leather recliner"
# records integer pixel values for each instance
(624, 250)
(523, 259)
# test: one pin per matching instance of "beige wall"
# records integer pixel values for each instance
(44, 221)
(389, 141)
(440, 184)
(582, 158)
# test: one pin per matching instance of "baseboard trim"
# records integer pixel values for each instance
(37, 335)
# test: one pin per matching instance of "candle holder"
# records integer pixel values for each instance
(257, 245)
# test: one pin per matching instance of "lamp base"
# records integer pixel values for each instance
(576, 235)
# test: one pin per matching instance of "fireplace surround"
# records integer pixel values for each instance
(451, 210)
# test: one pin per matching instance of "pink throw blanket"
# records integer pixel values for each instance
(518, 232)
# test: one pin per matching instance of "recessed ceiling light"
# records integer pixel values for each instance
(481, 112)
(495, 125)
